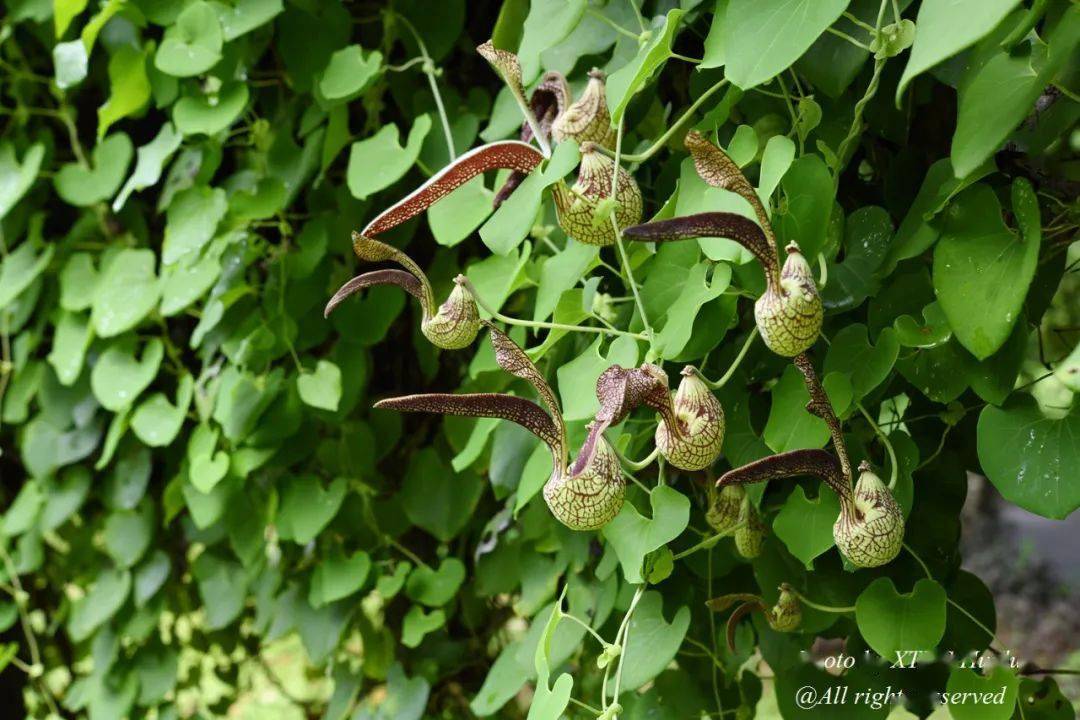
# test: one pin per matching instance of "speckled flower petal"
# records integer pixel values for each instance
(377, 277)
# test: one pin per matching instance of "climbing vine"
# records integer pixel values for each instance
(357, 357)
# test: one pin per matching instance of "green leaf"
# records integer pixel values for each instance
(321, 388)
(222, 588)
(18, 177)
(20, 268)
(1003, 92)
(933, 331)
(436, 498)
(70, 62)
(945, 27)
(150, 159)
(64, 496)
(996, 692)
(892, 622)
(628, 80)
(64, 11)
(119, 376)
(681, 314)
(22, 513)
(435, 588)
(511, 223)
(867, 235)
(379, 161)
(307, 507)
(78, 282)
(805, 526)
(808, 187)
(548, 23)
(418, 623)
(790, 426)
(82, 186)
(634, 536)
(577, 378)
(337, 577)
(126, 293)
(457, 215)
(651, 641)
(191, 220)
(71, 338)
(102, 600)
(129, 87)
(212, 113)
(349, 73)
(193, 44)
(157, 421)
(560, 273)
(1031, 458)
(128, 534)
(980, 263)
(549, 702)
(242, 16)
(866, 365)
(405, 698)
(763, 37)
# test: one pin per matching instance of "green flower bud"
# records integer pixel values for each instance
(750, 537)
(786, 614)
(725, 506)
(457, 322)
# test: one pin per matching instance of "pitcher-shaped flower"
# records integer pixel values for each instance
(692, 438)
(790, 313)
(580, 209)
(584, 496)
(870, 528)
(588, 118)
(451, 326)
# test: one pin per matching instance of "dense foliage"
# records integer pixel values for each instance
(204, 515)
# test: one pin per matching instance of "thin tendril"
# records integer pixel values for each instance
(734, 365)
(823, 608)
(429, 70)
(618, 233)
(894, 469)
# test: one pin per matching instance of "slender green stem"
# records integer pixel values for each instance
(429, 71)
(708, 542)
(925, 567)
(625, 642)
(406, 65)
(896, 11)
(585, 706)
(684, 58)
(823, 271)
(634, 466)
(894, 469)
(611, 23)
(712, 638)
(734, 365)
(818, 606)
(637, 14)
(856, 120)
(417, 560)
(28, 630)
(844, 36)
(582, 623)
(864, 25)
(544, 325)
(963, 611)
(663, 139)
(623, 257)
(940, 447)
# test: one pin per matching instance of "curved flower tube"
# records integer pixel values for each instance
(785, 616)
(583, 497)
(725, 504)
(870, 528)
(690, 438)
(451, 326)
(588, 118)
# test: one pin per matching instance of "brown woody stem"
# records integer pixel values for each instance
(821, 406)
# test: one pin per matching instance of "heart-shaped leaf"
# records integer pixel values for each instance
(418, 623)
(338, 576)
(307, 507)
(651, 641)
(126, 293)
(210, 114)
(349, 72)
(982, 697)
(980, 263)
(634, 536)
(157, 421)
(119, 376)
(805, 526)
(1031, 458)
(890, 621)
(867, 366)
(435, 588)
(78, 185)
(192, 45)
(321, 388)
(379, 161)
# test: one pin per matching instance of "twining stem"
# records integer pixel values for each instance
(625, 641)
(821, 406)
(893, 467)
(734, 365)
(864, 25)
(618, 233)
(708, 542)
(544, 325)
(582, 623)
(856, 120)
(844, 36)
(429, 71)
(611, 23)
(585, 706)
(817, 606)
(28, 630)
(634, 466)
(663, 139)
(926, 569)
